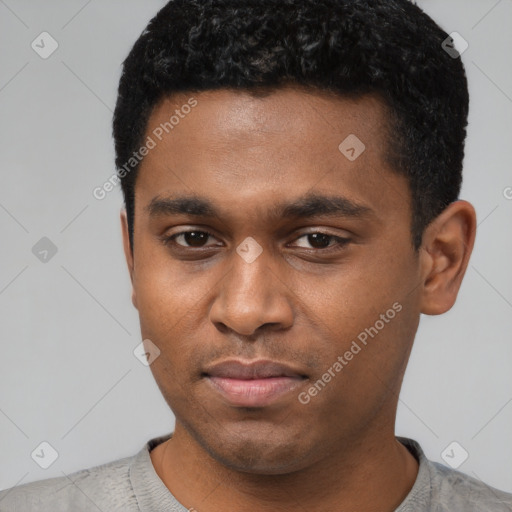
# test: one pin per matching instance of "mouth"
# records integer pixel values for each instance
(253, 383)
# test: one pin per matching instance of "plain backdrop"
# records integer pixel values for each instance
(68, 375)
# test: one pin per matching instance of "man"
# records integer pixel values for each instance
(291, 172)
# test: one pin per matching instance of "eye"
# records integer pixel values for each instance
(197, 238)
(192, 238)
(321, 241)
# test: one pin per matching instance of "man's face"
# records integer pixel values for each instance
(304, 300)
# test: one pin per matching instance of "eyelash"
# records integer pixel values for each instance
(340, 241)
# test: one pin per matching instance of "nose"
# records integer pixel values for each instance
(252, 295)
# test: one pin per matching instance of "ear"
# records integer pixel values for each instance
(128, 253)
(446, 247)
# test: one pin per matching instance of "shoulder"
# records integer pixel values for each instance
(454, 490)
(104, 487)
(439, 488)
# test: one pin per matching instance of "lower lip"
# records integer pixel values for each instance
(254, 392)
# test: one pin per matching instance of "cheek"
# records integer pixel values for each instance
(172, 306)
(367, 317)
(163, 294)
(356, 378)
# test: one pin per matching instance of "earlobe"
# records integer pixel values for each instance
(128, 253)
(447, 245)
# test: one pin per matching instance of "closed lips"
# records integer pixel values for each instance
(261, 369)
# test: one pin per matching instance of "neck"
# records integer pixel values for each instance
(371, 473)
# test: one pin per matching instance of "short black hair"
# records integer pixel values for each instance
(389, 48)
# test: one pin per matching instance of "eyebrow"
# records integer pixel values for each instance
(309, 205)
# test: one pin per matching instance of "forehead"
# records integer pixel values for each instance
(241, 150)
(241, 115)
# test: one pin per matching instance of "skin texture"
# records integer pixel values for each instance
(298, 303)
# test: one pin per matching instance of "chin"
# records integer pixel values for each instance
(256, 450)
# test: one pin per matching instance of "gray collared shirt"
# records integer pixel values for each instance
(132, 485)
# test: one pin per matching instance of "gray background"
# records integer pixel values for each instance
(68, 375)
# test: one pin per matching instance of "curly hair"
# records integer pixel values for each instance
(389, 48)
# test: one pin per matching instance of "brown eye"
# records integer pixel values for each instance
(321, 241)
(194, 238)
